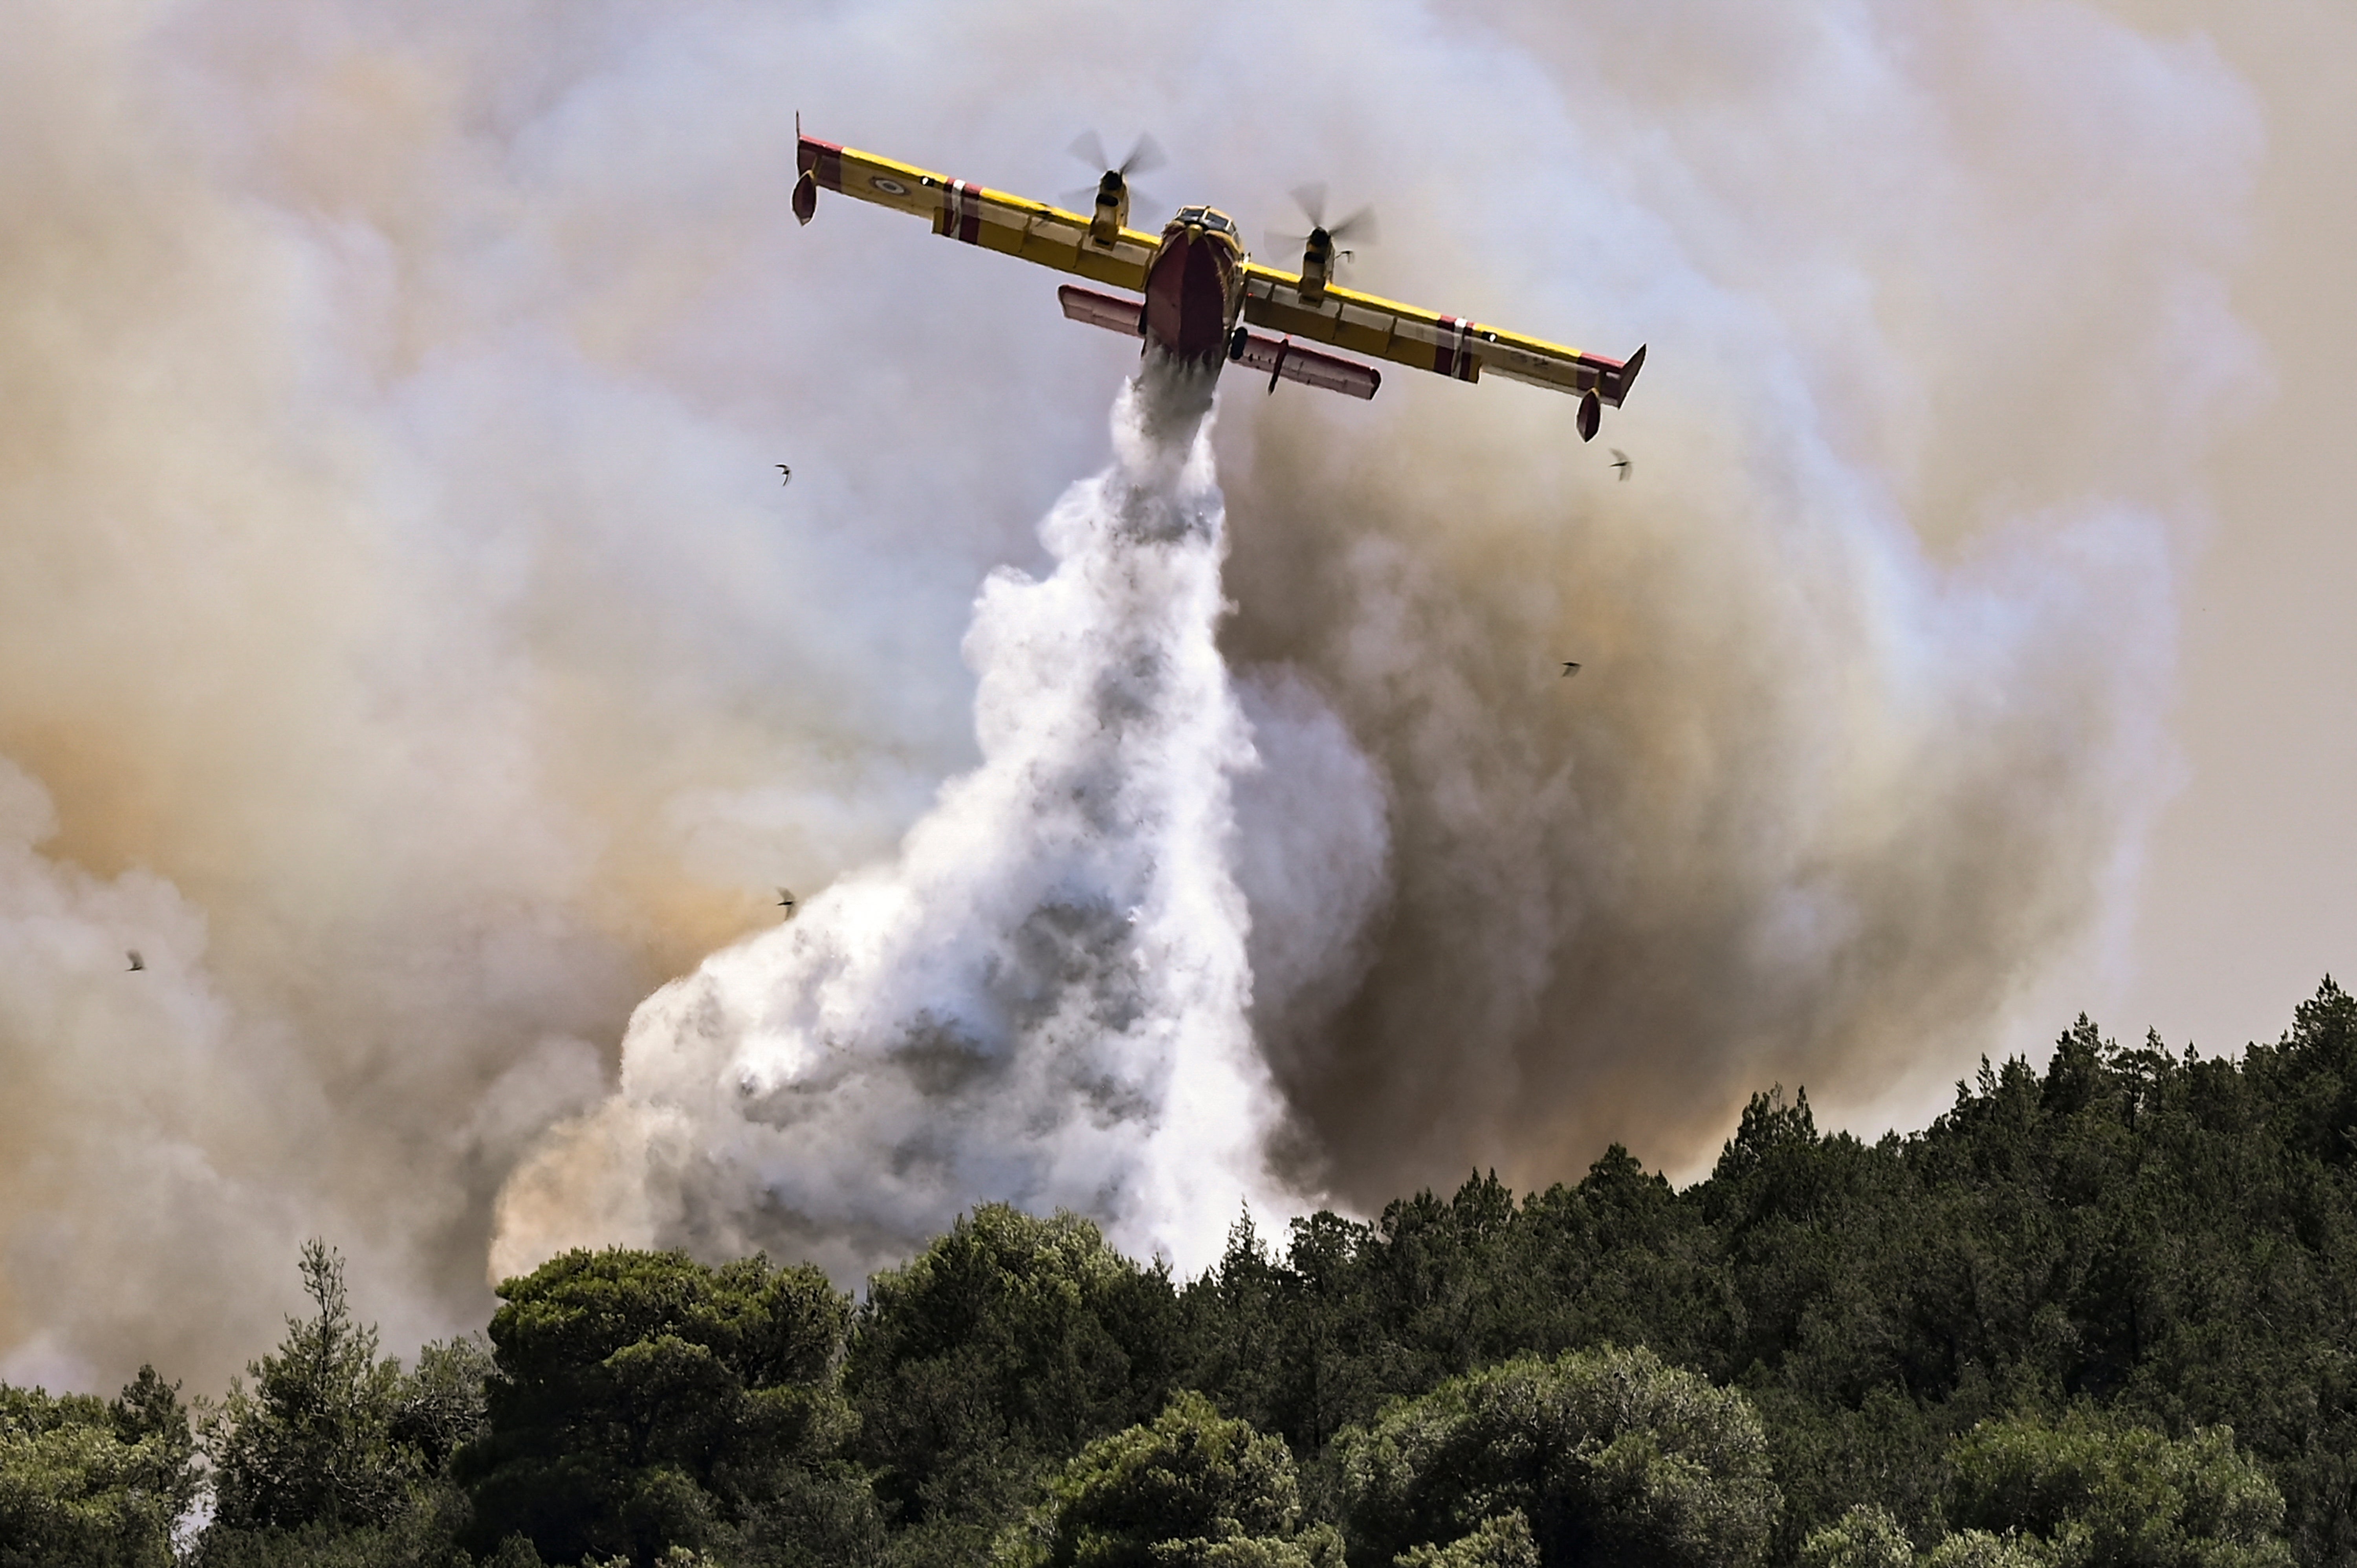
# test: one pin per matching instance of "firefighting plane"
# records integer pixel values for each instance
(1203, 292)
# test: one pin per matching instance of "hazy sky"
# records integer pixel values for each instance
(2245, 900)
(405, 644)
(2251, 890)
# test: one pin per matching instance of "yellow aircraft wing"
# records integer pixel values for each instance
(1447, 345)
(962, 210)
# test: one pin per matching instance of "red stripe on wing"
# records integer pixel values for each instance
(822, 161)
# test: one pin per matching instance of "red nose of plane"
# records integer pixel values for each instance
(1186, 298)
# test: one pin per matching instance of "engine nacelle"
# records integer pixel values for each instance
(1317, 265)
(805, 197)
(1112, 213)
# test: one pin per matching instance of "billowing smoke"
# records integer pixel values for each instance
(406, 645)
(1043, 998)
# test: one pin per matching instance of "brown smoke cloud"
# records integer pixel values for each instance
(404, 644)
(1875, 644)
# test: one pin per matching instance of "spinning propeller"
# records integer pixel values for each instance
(1144, 159)
(1311, 199)
(1320, 248)
(1112, 195)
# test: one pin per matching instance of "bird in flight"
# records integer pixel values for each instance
(1570, 668)
(788, 474)
(1620, 461)
(138, 963)
(786, 902)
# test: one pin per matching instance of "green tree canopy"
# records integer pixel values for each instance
(1189, 1487)
(311, 1441)
(86, 1483)
(2099, 1494)
(1985, 1548)
(993, 1356)
(1610, 1455)
(440, 1406)
(1501, 1540)
(1867, 1536)
(643, 1400)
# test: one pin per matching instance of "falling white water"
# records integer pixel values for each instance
(1042, 999)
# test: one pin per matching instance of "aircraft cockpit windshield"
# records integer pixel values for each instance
(1210, 218)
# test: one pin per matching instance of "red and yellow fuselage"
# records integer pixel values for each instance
(1195, 287)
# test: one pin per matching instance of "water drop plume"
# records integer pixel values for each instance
(1042, 997)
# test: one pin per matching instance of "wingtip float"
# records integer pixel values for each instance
(1203, 293)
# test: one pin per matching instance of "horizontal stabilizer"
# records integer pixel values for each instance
(1284, 359)
(1103, 310)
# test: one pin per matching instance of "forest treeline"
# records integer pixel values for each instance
(2101, 1314)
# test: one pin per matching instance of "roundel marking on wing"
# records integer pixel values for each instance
(887, 185)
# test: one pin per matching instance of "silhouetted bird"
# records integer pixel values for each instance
(137, 962)
(1620, 461)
